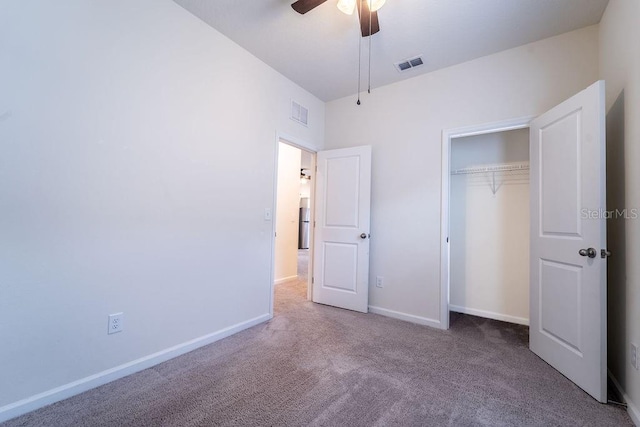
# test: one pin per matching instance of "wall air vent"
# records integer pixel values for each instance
(299, 113)
(410, 63)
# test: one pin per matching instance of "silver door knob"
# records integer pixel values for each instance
(363, 236)
(590, 252)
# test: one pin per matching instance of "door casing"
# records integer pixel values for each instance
(447, 136)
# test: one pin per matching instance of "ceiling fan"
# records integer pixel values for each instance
(368, 18)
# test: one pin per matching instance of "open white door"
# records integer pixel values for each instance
(568, 231)
(341, 242)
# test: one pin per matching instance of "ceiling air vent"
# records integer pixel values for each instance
(408, 64)
(299, 113)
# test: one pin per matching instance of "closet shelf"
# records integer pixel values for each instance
(506, 169)
(494, 168)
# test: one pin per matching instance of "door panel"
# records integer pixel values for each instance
(340, 266)
(559, 303)
(559, 152)
(568, 290)
(341, 255)
(342, 187)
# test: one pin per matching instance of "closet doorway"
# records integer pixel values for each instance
(486, 215)
(489, 226)
(567, 283)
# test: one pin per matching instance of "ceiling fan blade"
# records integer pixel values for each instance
(304, 6)
(364, 19)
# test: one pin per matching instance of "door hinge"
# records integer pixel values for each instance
(314, 224)
(312, 279)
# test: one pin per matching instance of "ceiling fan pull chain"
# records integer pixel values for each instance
(359, 54)
(370, 18)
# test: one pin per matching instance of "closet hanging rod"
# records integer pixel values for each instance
(496, 168)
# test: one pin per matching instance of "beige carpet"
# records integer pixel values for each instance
(322, 366)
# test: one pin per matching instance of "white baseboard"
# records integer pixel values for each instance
(63, 392)
(406, 317)
(632, 410)
(285, 279)
(489, 315)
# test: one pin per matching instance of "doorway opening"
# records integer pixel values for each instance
(489, 226)
(293, 217)
(485, 222)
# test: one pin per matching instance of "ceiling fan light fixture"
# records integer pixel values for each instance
(376, 4)
(347, 6)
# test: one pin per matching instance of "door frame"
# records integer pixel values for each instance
(309, 148)
(447, 136)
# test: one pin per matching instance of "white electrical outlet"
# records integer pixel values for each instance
(268, 216)
(634, 356)
(379, 282)
(116, 323)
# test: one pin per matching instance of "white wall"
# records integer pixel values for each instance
(620, 68)
(307, 161)
(489, 149)
(403, 122)
(138, 151)
(305, 189)
(288, 212)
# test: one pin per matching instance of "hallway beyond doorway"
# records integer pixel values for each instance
(303, 265)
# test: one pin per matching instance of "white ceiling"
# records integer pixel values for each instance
(319, 50)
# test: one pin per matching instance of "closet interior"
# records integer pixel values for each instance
(489, 226)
